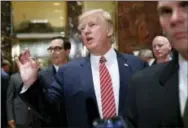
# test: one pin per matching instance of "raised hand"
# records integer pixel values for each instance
(28, 67)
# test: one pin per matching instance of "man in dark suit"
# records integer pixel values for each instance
(91, 87)
(4, 85)
(59, 49)
(19, 113)
(158, 96)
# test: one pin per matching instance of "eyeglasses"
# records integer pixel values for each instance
(55, 49)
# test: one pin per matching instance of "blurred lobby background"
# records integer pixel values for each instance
(26, 24)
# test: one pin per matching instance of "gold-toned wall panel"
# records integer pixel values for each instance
(54, 12)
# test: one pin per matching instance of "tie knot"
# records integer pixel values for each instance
(102, 59)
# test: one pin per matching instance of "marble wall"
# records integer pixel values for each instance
(137, 25)
(6, 38)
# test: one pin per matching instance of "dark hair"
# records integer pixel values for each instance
(66, 42)
(5, 62)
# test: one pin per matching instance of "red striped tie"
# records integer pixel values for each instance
(107, 95)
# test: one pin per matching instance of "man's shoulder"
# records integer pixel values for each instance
(4, 74)
(130, 57)
(75, 63)
(150, 72)
(15, 75)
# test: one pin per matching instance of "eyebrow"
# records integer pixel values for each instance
(162, 8)
(183, 3)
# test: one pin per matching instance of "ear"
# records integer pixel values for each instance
(110, 31)
(68, 51)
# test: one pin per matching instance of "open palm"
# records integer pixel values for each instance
(28, 67)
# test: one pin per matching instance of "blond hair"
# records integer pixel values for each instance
(106, 15)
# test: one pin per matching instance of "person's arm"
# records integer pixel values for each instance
(41, 100)
(131, 115)
(45, 101)
(9, 102)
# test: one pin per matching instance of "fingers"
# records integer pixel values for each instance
(24, 56)
(18, 62)
(34, 63)
(27, 54)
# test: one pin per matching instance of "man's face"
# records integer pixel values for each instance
(174, 20)
(57, 53)
(161, 48)
(6, 68)
(94, 33)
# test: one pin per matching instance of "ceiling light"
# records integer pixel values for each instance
(56, 4)
(61, 17)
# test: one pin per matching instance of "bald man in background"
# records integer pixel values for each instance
(161, 49)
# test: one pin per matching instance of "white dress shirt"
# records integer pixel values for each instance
(113, 68)
(56, 67)
(183, 83)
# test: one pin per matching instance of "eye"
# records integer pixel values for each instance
(165, 11)
(57, 48)
(184, 4)
(81, 28)
(91, 24)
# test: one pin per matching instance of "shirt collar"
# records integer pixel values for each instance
(56, 67)
(183, 64)
(109, 56)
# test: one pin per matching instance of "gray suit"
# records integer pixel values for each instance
(16, 109)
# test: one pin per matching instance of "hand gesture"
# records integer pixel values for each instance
(28, 67)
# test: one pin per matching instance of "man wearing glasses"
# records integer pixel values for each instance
(59, 49)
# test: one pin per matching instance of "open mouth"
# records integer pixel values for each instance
(89, 39)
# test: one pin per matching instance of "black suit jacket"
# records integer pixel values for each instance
(53, 118)
(16, 109)
(4, 85)
(153, 97)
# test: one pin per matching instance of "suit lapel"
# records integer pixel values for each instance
(124, 74)
(171, 103)
(50, 74)
(88, 88)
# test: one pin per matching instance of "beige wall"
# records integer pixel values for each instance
(56, 15)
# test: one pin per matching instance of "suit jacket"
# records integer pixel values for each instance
(73, 86)
(51, 118)
(4, 85)
(16, 109)
(153, 97)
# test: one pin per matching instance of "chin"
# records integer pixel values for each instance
(91, 47)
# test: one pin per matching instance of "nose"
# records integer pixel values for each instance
(178, 16)
(86, 30)
(52, 52)
(156, 48)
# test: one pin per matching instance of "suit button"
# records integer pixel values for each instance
(29, 108)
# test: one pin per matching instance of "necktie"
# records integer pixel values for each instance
(185, 116)
(107, 95)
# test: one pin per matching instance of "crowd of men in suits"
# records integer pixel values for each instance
(107, 84)
(20, 114)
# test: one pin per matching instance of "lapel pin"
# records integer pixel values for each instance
(126, 65)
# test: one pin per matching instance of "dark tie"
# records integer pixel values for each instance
(185, 116)
(107, 95)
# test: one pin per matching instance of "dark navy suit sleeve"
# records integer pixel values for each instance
(45, 100)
